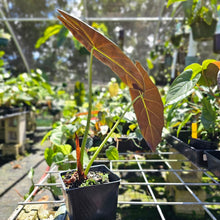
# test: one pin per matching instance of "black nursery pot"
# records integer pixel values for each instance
(93, 202)
(202, 31)
(213, 157)
(202, 144)
(195, 151)
(199, 147)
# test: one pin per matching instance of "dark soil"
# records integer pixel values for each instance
(74, 180)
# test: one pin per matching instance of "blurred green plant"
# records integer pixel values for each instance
(79, 93)
(194, 96)
(25, 89)
(196, 9)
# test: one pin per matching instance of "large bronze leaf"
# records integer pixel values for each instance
(104, 50)
(148, 108)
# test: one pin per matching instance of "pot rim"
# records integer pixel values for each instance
(95, 166)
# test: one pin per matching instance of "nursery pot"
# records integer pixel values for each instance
(3, 41)
(176, 39)
(202, 144)
(93, 202)
(184, 134)
(213, 157)
(202, 31)
(199, 146)
(195, 152)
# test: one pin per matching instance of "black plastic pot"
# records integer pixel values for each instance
(202, 31)
(198, 151)
(93, 202)
(176, 39)
(202, 144)
(195, 152)
(124, 144)
(213, 158)
(127, 144)
(216, 43)
(184, 135)
(3, 41)
(179, 145)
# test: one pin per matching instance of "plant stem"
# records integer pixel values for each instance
(108, 136)
(89, 108)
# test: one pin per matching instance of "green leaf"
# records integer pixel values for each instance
(24, 97)
(205, 63)
(1, 63)
(71, 128)
(195, 67)
(2, 53)
(65, 149)
(93, 149)
(50, 31)
(58, 158)
(170, 114)
(183, 123)
(48, 155)
(206, 14)
(31, 189)
(132, 127)
(56, 138)
(170, 2)
(150, 64)
(208, 116)
(31, 173)
(182, 86)
(112, 153)
(58, 135)
(46, 136)
(55, 190)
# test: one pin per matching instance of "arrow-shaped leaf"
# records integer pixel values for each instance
(104, 50)
(148, 108)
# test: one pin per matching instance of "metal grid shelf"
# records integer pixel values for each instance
(142, 173)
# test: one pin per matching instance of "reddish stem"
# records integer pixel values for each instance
(79, 165)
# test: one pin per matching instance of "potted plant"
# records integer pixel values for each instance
(147, 106)
(200, 15)
(4, 38)
(196, 89)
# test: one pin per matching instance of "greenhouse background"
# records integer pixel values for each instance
(144, 25)
(165, 147)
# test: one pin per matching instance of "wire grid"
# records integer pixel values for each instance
(142, 173)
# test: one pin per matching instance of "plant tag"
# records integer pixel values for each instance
(204, 157)
(194, 130)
